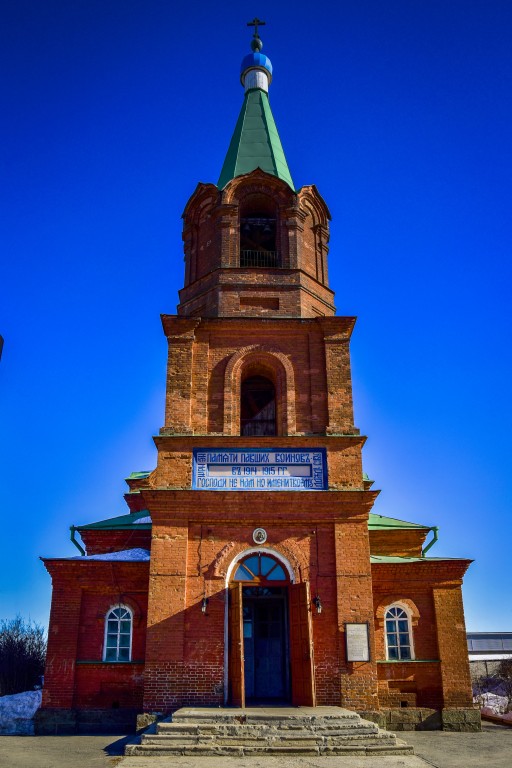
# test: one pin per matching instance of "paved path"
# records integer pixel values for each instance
(490, 749)
(61, 751)
(275, 761)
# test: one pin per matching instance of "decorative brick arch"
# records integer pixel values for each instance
(397, 599)
(236, 193)
(226, 559)
(265, 360)
(257, 181)
(271, 551)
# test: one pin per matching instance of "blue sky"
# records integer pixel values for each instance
(399, 112)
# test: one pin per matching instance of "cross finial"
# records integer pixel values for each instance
(256, 44)
(256, 23)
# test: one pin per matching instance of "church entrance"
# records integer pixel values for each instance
(270, 640)
(266, 655)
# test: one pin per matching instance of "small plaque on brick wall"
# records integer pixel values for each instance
(259, 469)
(357, 642)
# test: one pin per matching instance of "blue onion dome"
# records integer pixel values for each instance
(256, 60)
(261, 68)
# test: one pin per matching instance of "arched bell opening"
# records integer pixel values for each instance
(258, 232)
(258, 413)
(271, 364)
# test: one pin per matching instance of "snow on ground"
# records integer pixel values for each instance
(17, 713)
(492, 703)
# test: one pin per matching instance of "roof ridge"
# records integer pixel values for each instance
(266, 104)
(243, 112)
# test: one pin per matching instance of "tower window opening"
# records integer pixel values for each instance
(258, 233)
(258, 407)
(258, 243)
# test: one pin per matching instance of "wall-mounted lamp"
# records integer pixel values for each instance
(318, 604)
(204, 604)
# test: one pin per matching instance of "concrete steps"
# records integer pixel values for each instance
(275, 731)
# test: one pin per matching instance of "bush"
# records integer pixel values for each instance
(22, 655)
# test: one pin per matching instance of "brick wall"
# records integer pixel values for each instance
(100, 541)
(186, 649)
(83, 592)
(397, 543)
(208, 359)
(439, 674)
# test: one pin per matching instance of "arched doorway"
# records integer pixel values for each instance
(265, 628)
(269, 631)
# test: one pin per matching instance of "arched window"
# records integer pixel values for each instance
(118, 634)
(258, 242)
(258, 407)
(398, 634)
(259, 567)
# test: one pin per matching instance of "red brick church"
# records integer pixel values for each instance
(250, 567)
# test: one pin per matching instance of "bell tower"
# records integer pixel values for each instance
(258, 456)
(254, 246)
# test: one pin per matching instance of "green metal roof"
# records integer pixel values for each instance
(375, 522)
(119, 523)
(378, 522)
(392, 559)
(139, 475)
(255, 142)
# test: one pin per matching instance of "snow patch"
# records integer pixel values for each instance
(17, 713)
(125, 555)
(491, 703)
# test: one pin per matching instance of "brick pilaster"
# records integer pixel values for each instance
(452, 644)
(59, 677)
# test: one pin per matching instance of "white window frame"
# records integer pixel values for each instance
(117, 660)
(407, 612)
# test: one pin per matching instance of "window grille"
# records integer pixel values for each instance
(260, 567)
(398, 634)
(262, 259)
(118, 634)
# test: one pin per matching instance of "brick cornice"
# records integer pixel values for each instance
(436, 573)
(338, 328)
(98, 571)
(336, 331)
(274, 508)
(179, 327)
(338, 441)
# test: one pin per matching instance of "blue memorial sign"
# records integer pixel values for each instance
(259, 469)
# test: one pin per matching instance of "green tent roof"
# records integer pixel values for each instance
(120, 523)
(379, 522)
(255, 142)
